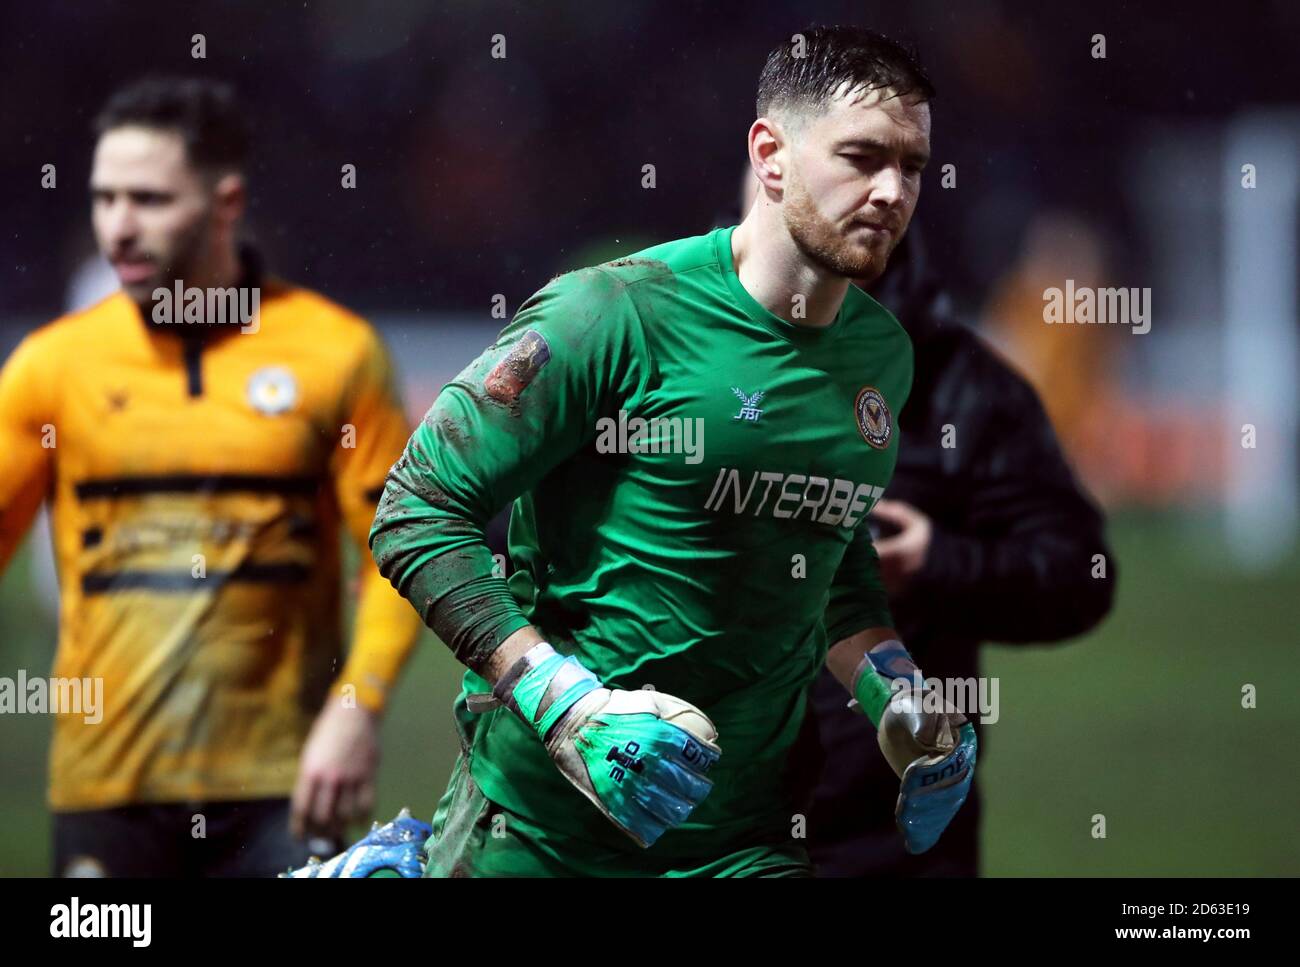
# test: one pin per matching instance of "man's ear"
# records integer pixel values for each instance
(229, 198)
(767, 153)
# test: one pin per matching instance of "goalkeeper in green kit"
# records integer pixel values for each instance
(692, 437)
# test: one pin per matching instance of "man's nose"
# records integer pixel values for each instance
(887, 186)
(123, 222)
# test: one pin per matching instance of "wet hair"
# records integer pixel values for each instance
(835, 59)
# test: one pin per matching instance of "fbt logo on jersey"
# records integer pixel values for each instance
(834, 502)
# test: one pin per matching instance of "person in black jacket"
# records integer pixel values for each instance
(984, 535)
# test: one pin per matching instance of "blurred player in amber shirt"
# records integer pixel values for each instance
(199, 475)
(1072, 366)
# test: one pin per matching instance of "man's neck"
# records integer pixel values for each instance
(223, 272)
(779, 276)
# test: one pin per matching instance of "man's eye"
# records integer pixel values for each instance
(150, 198)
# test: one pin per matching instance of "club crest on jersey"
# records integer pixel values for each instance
(272, 390)
(749, 410)
(873, 417)
(511, 376)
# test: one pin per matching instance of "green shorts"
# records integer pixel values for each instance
(473, 836)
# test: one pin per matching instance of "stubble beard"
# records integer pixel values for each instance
(825, 245)
(183, 266)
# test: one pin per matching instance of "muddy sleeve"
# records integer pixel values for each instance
(573, 353)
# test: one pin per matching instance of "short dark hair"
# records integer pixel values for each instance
(205, 113)
(833, 57)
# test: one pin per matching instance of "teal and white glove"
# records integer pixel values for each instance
(932, 791)
(639, 756)
(393, 850)
(929, 744)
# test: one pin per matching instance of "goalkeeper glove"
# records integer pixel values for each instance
(933, 790)
(933, 752)
(639, 756)
(395, 849)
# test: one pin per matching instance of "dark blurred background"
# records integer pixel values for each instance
(478, 176)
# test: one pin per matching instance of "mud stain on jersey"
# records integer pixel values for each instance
(453, 430)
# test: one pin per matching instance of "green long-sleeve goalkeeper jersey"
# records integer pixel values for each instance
(691, 474)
